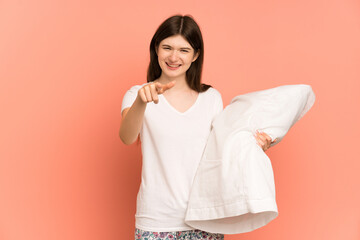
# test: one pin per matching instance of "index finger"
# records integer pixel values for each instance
(160, 88)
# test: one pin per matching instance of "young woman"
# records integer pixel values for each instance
(172, 115)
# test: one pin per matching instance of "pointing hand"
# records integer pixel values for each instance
(150, 92)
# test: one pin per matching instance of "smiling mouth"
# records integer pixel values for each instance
(173, 66)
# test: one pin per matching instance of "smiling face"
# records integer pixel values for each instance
(175, 56)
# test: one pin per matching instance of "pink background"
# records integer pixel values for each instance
(66, 65)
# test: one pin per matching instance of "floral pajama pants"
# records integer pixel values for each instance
(177, 235)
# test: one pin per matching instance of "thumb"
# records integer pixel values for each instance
(159, 88)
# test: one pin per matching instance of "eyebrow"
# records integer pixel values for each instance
(166, 45)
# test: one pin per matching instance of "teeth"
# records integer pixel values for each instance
(173, 65)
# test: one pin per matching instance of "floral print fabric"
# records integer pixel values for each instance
(177, 235)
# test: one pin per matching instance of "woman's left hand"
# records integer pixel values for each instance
(263, 140)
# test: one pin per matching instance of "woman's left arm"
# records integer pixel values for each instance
(263, 140)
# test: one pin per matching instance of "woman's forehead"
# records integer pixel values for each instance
(176, 41)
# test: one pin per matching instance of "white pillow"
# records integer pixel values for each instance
(233, 190)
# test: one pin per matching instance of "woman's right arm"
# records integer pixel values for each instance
(132, 119)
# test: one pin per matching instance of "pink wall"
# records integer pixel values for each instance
(65, 66)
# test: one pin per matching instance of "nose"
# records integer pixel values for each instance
(173, 56)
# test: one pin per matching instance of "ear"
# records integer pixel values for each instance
(196, 56)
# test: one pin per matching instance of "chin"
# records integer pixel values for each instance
(172, 74)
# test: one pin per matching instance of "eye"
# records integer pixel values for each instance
(184, 50)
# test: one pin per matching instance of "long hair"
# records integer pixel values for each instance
(189, 29)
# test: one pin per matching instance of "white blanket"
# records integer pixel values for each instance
(233, 189)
